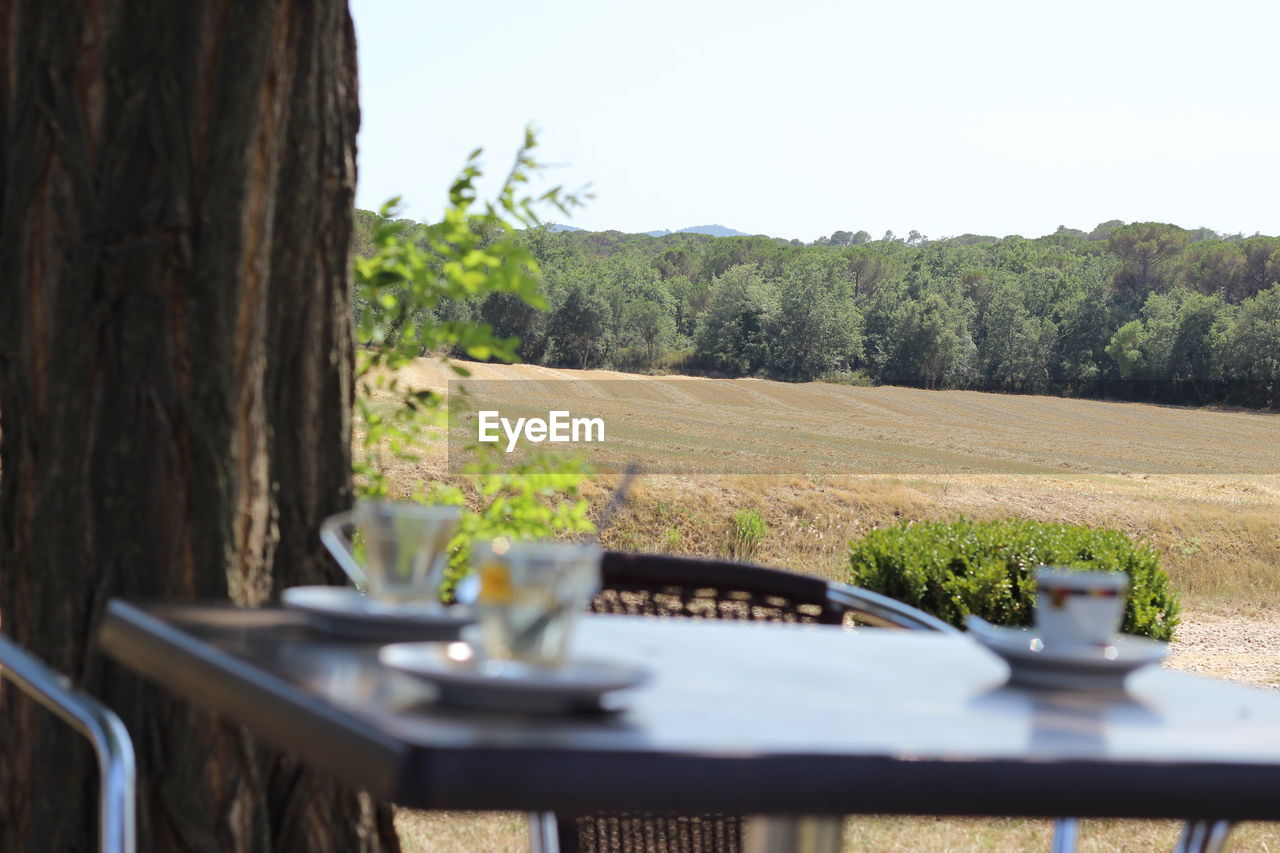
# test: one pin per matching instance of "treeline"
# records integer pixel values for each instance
(1144, 311)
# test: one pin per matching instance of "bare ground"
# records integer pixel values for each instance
(1241, 646)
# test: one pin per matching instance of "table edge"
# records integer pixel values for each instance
(282, 714)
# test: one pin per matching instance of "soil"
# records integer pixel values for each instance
(1237, 646)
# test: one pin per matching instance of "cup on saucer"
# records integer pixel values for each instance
(404, 548)
(530, 596)
(1079, 607)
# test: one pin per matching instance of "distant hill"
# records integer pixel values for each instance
(713, 230)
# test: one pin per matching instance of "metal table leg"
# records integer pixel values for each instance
(793, 834)
(1066, 834)
(543, 833)
(1203, 836)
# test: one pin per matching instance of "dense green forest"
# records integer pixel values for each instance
(1145, 311)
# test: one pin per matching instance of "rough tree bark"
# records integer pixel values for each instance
(176, 187)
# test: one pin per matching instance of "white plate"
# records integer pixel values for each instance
(347, 612)
(467, 680)
(1033, 662)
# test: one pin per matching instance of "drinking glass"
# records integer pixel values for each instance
(530, 596)
(404, 546)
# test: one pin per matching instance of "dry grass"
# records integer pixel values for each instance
(462, 832)
(470, 832)
(1155, 472)
(1219, 537)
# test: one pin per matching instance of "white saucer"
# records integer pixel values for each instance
(349, 613)
(467, 680)
(1033, 662)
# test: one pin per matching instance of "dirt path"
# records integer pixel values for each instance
(1236, 646)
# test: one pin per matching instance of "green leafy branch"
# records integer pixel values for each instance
(404, 290)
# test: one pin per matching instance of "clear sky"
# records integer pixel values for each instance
(799, 118)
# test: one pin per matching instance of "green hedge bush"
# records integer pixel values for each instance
(952, 569)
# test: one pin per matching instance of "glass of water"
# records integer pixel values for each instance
(404, 547)
(530, 596)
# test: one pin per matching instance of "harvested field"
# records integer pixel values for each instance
(694, 425)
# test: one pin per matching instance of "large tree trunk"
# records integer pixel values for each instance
(176, 188)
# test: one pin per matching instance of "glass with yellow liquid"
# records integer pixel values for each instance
(530, 596)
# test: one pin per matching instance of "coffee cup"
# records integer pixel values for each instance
(1079, 607)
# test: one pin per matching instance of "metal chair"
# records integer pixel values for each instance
(116, 812)
(683, 587)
